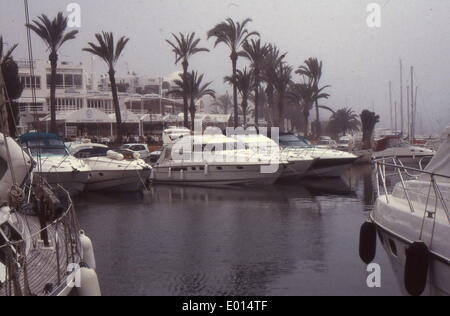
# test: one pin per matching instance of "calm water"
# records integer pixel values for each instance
(288, 239)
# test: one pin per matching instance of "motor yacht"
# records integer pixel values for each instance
(328, 163)
(395, 147)
(173, 133)
(413, 223)
(214, 160)
(112, 170)
(54, 162)
(297, 165)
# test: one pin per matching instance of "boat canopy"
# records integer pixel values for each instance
(41, 140)
(441, 161)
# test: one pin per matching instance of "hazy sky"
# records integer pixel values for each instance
(358, 61)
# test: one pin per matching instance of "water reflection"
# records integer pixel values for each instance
(293, 238)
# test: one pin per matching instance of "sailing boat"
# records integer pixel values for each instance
(43, 252)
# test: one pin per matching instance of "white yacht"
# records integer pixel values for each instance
(54, 162)
(413, 224)
(37, 225)
(111, 170)
(173, 133)
(394, 147)
(214, 160)
(328, 163)
(297, 164)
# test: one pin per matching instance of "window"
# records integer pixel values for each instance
(68, 81)
(29, 82)
(78, 81)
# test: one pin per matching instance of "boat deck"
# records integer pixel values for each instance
(46, 268)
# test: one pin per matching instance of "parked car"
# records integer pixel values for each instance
(345, 143)
(155, 155)
(142, 149)
(327, 144)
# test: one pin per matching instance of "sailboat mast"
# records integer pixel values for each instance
(408, 116)
(412, 106)
(402, 111)
(391, 105)
(4, 127)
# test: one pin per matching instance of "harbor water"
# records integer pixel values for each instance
(297, 238)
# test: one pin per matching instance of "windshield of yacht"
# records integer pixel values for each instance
(48, 147)
(92, 152)
(48, 151)
(293, 141)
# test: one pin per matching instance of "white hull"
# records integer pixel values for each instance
(399, 228)
(118, 180)
(297, 169)
(215, 175)
(73, 182)
(330, 168)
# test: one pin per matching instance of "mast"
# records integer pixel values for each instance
(391, 105)
(4, 126)
(412, 106)
(402, 111)
(408, 116)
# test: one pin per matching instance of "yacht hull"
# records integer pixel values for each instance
(118, 180)
(330, 168)
(74, 182)
(215, 175)
(398, 228)
(297, 169)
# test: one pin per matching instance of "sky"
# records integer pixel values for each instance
(359, 61)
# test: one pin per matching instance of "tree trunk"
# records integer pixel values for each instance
(281, 111)
(244, 111)
(119, 130)
(256, 97)
(270, 101)
(306, 129)
(235, 92)
(319, 125)
(193, 111)
(185, 94)
(54, 65)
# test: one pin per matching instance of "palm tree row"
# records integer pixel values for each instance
(54, 34)
(268, 68)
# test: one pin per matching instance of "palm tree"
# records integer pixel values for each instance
(223, 104)
(193, 86)
(107, 50)
(234, 35)
(54, 35)
(245, 83)
(184, 47)
(369, 120)
(302, 94)
(256, 53)
(271, 63)
(14, 88)
(344, 121)
(312, 70)
(283, 75)
(305, 96)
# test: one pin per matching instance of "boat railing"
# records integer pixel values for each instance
(391, 171)
(42, 262)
